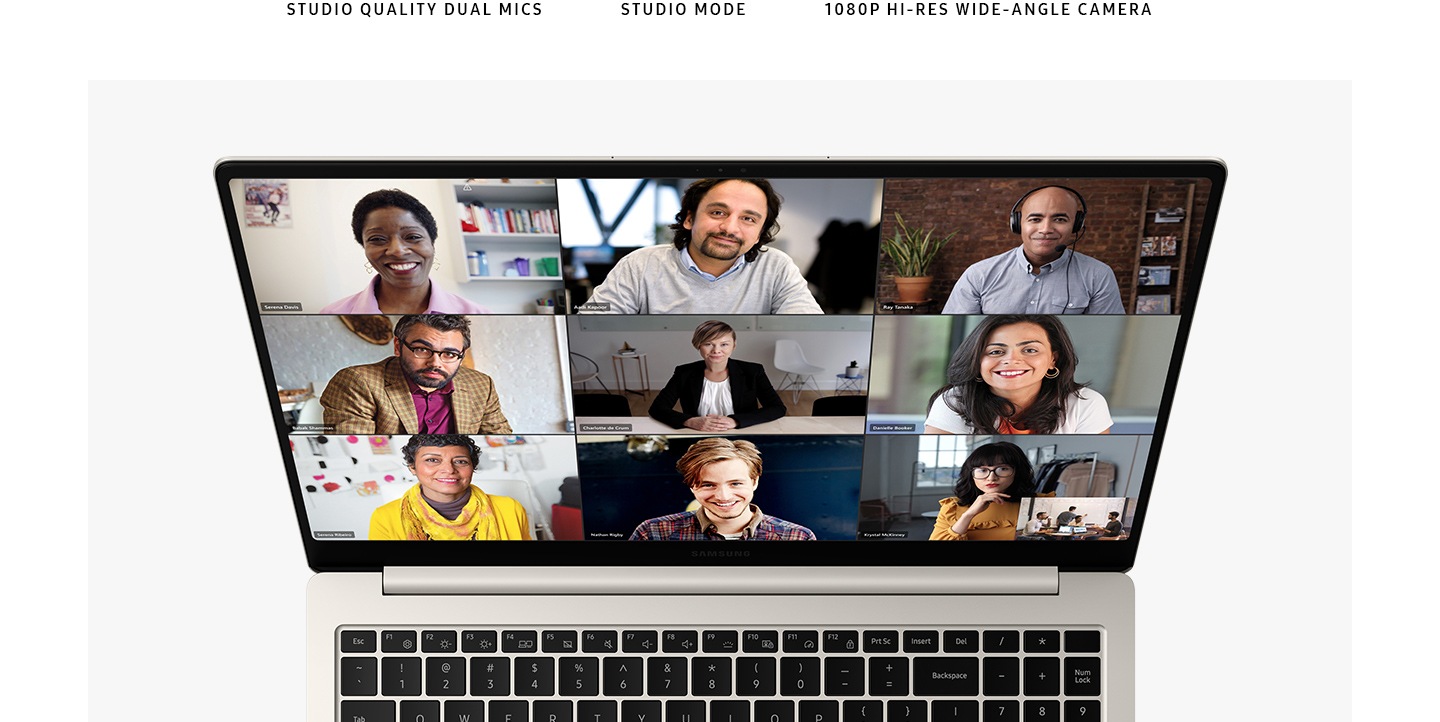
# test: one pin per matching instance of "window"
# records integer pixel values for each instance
(940, 459)
(626, 212)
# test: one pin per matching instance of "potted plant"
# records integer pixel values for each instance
(912, 250)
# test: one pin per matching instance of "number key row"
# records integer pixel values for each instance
(803, 676)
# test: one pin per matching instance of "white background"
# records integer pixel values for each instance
(178, 539)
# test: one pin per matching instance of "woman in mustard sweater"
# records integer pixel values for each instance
(444, 505)
(985, 507)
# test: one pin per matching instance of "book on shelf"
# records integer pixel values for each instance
(1154, 276)
(1158, 246)
(479, 218)
(1152, 304)
(1170, 215)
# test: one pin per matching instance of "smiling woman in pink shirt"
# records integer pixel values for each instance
(397, 233)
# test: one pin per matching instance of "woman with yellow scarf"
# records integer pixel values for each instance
(444, 506)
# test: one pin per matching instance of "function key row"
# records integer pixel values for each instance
(721, 641)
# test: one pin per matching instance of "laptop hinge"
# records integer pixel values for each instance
(649, 581)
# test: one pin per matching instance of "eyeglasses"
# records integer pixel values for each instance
(981, 472)
(425, 352)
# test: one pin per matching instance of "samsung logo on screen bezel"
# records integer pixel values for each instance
(718, 554)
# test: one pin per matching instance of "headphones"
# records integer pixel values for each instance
(1076, 228)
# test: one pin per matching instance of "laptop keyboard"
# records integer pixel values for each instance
(989, 674)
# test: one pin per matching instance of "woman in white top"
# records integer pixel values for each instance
(717, 393)
(1015, 374)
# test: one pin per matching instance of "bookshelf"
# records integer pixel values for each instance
(515, 222)
(1158, 283)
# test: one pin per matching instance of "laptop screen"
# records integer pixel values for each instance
(876, 355)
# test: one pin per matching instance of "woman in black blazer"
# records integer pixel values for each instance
(717, 393)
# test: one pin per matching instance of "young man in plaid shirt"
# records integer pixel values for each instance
(723, 476)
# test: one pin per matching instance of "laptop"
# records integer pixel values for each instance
(895, 364)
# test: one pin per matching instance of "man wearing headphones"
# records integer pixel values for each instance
(1043, 274)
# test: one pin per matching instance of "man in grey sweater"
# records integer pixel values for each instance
(719, 262)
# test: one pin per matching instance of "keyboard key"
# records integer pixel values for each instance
(602, 642)
(508, 711)
(1042, 676)
(1081, 709)
(1042, 710)
(400, 676)
(444, 677)
(634, 710)
(680, 642)
(513, 641)
(1004, 641)
(438, 642)
(579, 676)
(456, 710)
(889, 676)
(710, 677)
(861, 710)
(623, 677)
(552, 711)
(534, 676)
(729, 711)
(1002, 710)
(1002, 676)
(844, 676)
(368, 710)
(475, 641)
(1082, 677)
(755, 676)
(922, 642)
(684, 711)
(801, 641)
(1083, 641)
(357, 641)
(594, 710)
(552, 642)
(774, 710)
(955, 710)
(667, 676)
(881, 642)
(947, 677)
(721, 642)
(905, 710)
(1042, 642)
(761, 642)
(416, 710)
(359, 676)
(819, 710)
(397, 642)
(964, 642)
(490, 677)
(639, 642)
(800, 677)
(841, 642)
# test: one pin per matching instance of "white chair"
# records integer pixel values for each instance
(583, 370)
(310, 412)
(799, 372)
